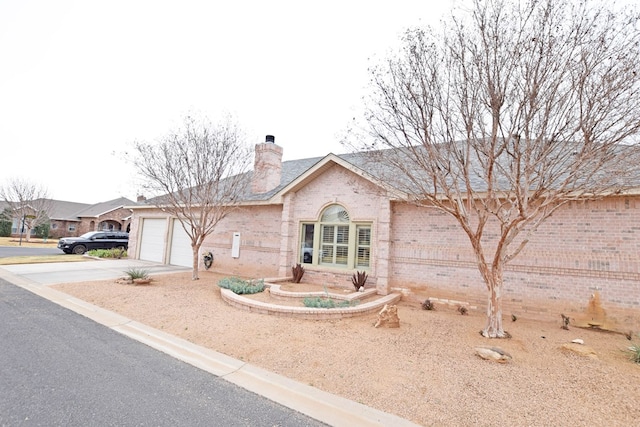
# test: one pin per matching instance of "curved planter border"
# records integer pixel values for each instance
(252, 305)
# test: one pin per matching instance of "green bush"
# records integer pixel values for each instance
(239, 286)
(5, 229)
(137, 273)
(321, 302)
(108, 253)
(42, 230)
(5, 223)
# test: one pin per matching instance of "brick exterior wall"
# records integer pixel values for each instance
(118, 217)
(259, 228)
(362, 200)
(267, 168)
(585, 247)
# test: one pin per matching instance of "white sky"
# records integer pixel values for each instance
(81, 80)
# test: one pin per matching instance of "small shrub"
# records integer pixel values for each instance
(635, 352)
(463, 310)
(320, 302)
(297, 271)
(108, 253)
(428, 305)
(565, 322)
(239, 286)
(137, 273)
(359, 279)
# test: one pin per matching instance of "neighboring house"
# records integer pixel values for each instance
(70, 219)
(335, 218)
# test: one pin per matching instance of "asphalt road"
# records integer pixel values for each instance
(8, 251)
(58, 368)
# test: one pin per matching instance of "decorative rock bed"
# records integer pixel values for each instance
(276, 292)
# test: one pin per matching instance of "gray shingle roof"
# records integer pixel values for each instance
(101, 208)
(72, 211)
(373, 165)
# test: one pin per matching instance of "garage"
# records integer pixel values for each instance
(181, 252)
(152, 239)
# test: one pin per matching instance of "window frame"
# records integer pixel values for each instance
(353, 245)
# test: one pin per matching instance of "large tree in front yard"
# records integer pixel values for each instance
(509, 111)
(196, 174)
(29, 204)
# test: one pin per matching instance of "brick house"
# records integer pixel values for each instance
(335, 218)
(70, 219)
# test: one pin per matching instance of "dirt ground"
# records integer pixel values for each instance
(426, 370)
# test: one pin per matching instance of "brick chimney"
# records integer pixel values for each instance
(267, 168)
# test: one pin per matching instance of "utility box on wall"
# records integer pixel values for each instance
(235, 245)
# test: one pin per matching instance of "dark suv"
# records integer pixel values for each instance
(94, 240)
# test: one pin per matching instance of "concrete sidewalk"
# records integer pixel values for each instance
(328, 408)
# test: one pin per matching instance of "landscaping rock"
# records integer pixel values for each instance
(580, 349)
(493, 353)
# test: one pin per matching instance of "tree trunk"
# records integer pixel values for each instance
(196, 262)
(27, 236)
(494, 329)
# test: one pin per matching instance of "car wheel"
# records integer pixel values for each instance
(79, 250)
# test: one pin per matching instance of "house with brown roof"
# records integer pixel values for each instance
(70, 219)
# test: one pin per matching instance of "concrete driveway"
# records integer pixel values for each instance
(67, 272)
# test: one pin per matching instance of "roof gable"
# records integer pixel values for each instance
(355, 163)
(99, 209)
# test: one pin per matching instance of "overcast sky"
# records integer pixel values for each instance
(81, 80)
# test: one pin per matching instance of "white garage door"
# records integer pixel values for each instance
(181, 252)
(152, 239)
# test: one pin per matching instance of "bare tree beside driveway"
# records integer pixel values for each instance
(196, 174)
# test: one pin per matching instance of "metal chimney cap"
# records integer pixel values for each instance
(271, 139)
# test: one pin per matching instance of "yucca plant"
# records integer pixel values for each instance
(359, 279)
(137, 273)
(297, 271)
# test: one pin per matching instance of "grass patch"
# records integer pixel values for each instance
(42, 259)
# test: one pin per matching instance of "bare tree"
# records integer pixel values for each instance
(511, 110)
(28, 202)
(197, 174)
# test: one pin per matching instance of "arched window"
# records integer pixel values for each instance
(337, 241)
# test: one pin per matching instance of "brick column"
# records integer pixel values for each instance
(288, 236)
(382, 252)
